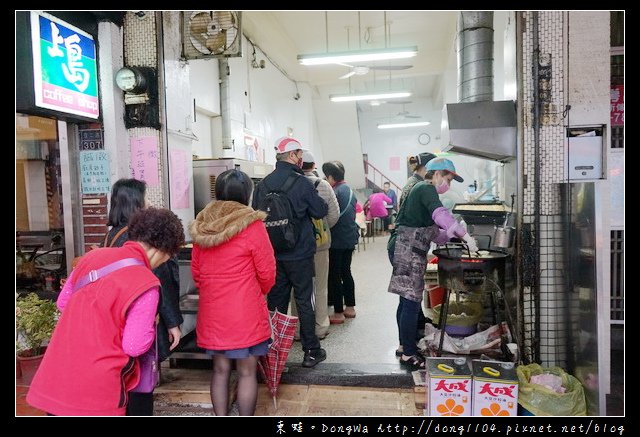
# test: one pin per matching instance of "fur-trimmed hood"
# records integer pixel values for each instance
(222, 220)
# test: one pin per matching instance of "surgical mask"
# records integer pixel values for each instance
(442, 187)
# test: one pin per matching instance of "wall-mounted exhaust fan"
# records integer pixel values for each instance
(359, 70)
(212, 34)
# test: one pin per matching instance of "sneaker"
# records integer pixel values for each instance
(313, 357)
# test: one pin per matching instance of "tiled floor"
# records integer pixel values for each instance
(189, 395)
(22, 408)
(358, 348)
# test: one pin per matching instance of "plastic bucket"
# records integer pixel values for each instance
(460, 331)
(436, 295)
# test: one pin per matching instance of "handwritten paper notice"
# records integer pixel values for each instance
(144, 160)
(179, 178)
(95, 173)
(394, 163)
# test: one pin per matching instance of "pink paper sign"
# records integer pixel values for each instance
(144, 160)
(394, 163)
(179, 178)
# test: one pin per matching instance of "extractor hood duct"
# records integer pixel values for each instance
(478, 126)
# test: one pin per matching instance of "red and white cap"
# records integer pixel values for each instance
(287, 144)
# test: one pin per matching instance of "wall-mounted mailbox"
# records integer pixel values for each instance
(584, 152)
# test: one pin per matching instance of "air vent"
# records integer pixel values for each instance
(212, 34)
(212, 186)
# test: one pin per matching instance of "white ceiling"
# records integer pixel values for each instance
(286, 34)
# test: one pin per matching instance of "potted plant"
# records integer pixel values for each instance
(35, 320)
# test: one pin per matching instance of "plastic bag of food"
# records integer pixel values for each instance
(542, 401)
(461, 313)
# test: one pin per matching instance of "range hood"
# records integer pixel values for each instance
(481, 129)
(477, 125)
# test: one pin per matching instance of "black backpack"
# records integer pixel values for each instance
(281, 222)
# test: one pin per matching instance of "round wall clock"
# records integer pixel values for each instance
(424, 138)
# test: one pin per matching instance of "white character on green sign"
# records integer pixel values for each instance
(73, 71)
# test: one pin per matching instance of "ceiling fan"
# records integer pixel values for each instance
(406, 114)
(402, 115)
(359, 70)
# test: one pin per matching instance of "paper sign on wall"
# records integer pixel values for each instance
(394, 163)
(144, 160)
(95, 173)
(179, 178)
(617, 105)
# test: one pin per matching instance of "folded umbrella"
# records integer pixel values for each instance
(283, 328)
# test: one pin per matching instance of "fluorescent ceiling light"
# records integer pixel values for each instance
(412, 124)
(358, 56)
(354, 97)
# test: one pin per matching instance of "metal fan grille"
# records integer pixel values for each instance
(212, 34)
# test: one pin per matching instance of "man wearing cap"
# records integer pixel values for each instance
(295, 267)
(421, 220)
(321, 259)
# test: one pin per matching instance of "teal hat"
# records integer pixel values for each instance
(444, 164)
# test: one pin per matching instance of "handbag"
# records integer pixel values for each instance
(149, 370)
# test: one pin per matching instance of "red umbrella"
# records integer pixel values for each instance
(283, 327)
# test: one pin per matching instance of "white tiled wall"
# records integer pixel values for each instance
(140, 49)
(140, 40)
(551, 164)
(573, 42)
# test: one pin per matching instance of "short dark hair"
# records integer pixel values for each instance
(335, 169)
(159, 228)
(308, 165)
(234, 185)
(127, 196)
(387, 183)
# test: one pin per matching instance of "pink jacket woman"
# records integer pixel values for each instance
(234, 268)
(377, 207)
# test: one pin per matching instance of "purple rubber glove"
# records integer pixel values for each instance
(443, 218)
(441, 238)
(472, 244)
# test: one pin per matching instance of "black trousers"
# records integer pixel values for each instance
(298, 275)
(340, 283)
(140, 404)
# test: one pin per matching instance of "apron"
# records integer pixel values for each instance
(410, 261)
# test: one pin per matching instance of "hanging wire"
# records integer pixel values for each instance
(326, 29)
(359, 32)
(386, 32)
(348, 39)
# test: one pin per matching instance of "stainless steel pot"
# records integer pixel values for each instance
(503, 236)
